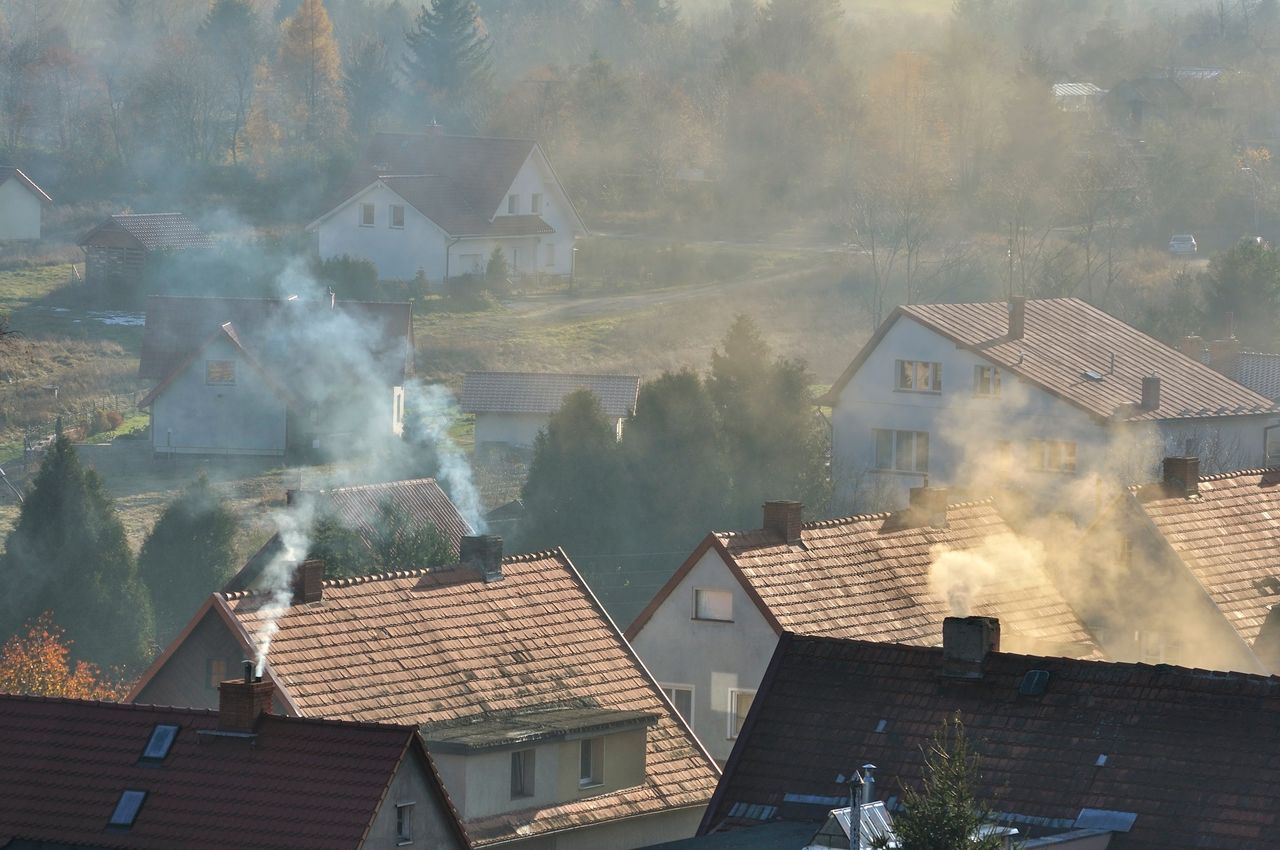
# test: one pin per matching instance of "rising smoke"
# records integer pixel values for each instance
(293, 527)
(436, 412)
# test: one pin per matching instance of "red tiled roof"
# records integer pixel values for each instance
(544, 392)
(868, 577)
(299, 783)
(431, 646)
(1195, 755)
(9, 172)
(1064, 339)
(156, 231)
(1229, 539)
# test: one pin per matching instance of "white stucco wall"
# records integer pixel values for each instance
(712, 657)
(19, 211)
(535, 176)
(397, 252)
(429, 818)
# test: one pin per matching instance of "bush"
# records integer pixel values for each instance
(353, 278)
(104, 420)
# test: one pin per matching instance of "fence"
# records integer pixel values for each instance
(37, 438)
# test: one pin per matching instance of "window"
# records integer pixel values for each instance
(919, 376)
(713, 605)
(681, 697)
(590, 762)
(902, 451)
(366, 215)
(739, 705)
(215, 672)
(161, 740)
(551, 254)
(986, 380)
(1052, 455)
(219, 371)
(513, 204)
(397, 216)
(126, 811)
(404, 823)
(522, 773)
(535, 203)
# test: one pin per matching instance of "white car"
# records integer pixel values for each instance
(1182, 244)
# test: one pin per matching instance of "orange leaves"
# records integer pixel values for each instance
(38, 663)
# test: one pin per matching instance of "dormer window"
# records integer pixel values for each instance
(590, 762)
(513, 204)
(522, 762)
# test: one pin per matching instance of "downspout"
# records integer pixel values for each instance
(447, 248)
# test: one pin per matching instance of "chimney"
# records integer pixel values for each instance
(1181, 477)
(928, 506)
(484, 553)
(784, 518)
(868, 784)
(1150, 392)
(966, 642)
(1193, 347)
(1017, 316)
(1266, 646)
(241, 702)
(308, 581)
(289, 495)
(1222, 354)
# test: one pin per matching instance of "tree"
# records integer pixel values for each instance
(68, 553)
(1242, 293)
(496, 270)
(189, 554)
(368, 84)
(341, 548)
(400, 543)
(447, 56)
(944, 813)
(38, 663)
(230, 37)
(308, 71)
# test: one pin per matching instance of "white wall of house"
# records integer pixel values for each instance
(192, 416)
(20, 211)
(397, 252)
(471, 256)
(426, 813)
(713, 658)
(519, 429)
(555, 251)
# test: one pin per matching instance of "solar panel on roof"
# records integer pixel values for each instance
(1034, 683)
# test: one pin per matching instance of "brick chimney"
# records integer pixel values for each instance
(484, 553)
(966, 642)
(308, 581)
(928, 506)
(1181, 477)
(242, 701)
(1223, 353)
(1150, 392)
(1017, 316)
(1193, 347)
(784, 519)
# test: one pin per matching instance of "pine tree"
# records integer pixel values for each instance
(309, 73)
(189, 554)
(368, 84)
(447, 56)
(403, 544)
(68, 554)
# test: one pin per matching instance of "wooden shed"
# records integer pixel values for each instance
(116, 251)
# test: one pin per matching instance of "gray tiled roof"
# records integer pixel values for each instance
(543, 392)
(157, 231)
(1259, 372)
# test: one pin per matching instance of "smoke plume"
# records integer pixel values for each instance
(437, 411)
(293, 527)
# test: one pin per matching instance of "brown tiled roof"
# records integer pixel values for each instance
(543, 392)
(868, 577)
(433, 646)
(1194, 755)
(298, 783)
(155, 231)
(178, 325)
(9, 172)
(1229, 538)
(1065, 339)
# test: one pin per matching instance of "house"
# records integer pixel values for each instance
(117, 251)
(438, 205)
(1257, 370)
(1132, 103)
(1075, 754)
(358, 508)
(22, 203)
(874, 577)
(1040, 394)
(545, 726)
(512, 407)
(1077, 97)
(256, 376)
(78, 774)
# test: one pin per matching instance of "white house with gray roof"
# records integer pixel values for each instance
(512, 407)
(1029, 392)
(21, 204)
(440, 205)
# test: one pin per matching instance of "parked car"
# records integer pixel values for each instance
(1182, 244)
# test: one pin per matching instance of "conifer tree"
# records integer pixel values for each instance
(68, 554)
(447, 56)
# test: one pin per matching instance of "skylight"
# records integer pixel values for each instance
(127, 809)
(161, 740)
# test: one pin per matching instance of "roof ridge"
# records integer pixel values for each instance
(852, 518)
(108, 703)
(371, 485)
(553, 374)
(1217, 476)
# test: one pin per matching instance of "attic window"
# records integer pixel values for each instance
(161, 740)
(220, 371)
(366, 215)
(127, 808)
(535, 203)
(716, 605)
(1034, 683)
(397, 216)
(513, 204)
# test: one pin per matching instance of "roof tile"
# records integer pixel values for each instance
(543, 392)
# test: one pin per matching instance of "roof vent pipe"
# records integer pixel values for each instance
(1017, 316)
(868, 784)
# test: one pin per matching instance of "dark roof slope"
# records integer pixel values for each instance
(1194, 754)
(544, 392)
(1258, 371)
(446, 202)
(156, 231)
(9, 172)
(178, 325)
(1064, 340)
(480, 168)
(1229, 538)
(298, 783)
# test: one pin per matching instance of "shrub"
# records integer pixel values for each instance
(104, 420)
(353, 278)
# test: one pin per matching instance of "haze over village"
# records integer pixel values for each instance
(639, 424)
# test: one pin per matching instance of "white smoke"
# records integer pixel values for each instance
(437, 411)
(293, 527)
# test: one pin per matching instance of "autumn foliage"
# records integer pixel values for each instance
(38, 663)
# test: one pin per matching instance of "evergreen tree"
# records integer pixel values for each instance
(343, 551)
(1242, 293)
(402, 544)
(447, 56)
(68, 554)
(368, 84)
(189, 554)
